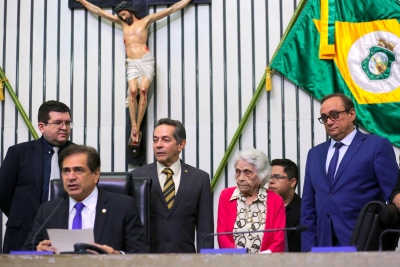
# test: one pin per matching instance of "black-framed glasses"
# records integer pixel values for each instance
(59, 124)
(279, 177)
(334, 115)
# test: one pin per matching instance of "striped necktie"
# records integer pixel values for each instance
(169, 188)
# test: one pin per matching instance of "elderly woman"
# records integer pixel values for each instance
(249, 207)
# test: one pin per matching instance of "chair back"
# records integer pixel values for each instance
(118, 182)
(374, 218)
(141, 187)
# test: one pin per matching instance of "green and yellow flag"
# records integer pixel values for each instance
(351, 47)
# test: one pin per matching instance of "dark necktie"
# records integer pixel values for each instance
(169, 188)
(77, 222)
(333, 163)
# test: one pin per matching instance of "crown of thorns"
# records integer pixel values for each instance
(124, 5)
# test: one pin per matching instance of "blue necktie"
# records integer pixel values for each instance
(333, 163)
(77, 222)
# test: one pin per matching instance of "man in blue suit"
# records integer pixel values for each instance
(341, 178)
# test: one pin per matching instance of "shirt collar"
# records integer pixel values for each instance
(90, 202)
(261, 196)
(174, 167)
(49, 147)
(347, 140)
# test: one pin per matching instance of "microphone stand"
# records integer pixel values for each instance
(45, 222)
(300, 228)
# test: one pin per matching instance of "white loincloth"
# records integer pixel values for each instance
(136, 68)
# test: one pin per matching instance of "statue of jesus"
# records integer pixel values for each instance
(140, 61)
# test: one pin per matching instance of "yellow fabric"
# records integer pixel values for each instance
(268, 82)
(348, 37)
(1, 91)
(326, 51)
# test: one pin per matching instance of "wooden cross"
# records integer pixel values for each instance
(141, 6)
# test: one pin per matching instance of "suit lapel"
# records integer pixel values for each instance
(322, 160)
(182, 185)
(64, 214)
(101, 215)
(351, 151)
(37, 164)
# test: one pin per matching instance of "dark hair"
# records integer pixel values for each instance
(93, 158)
(179, 133)
(124, 5)
(347, 103)
(289, 167)
(51, 105)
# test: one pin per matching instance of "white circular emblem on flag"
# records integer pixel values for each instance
(374, 62)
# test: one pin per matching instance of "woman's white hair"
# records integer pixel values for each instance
(258, 159)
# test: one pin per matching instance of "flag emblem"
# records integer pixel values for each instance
(378, 63)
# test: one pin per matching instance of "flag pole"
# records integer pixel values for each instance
(3, 79)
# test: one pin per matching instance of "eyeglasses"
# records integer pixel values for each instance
(59, 124)
(278, 176)
(334, 115)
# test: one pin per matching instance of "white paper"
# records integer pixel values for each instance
(64, 240)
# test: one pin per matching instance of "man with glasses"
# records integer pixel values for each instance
(343, 174)
(27, 170)
(284, 182)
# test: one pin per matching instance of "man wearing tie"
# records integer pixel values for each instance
(27, 170)
(342, 175)
(114, 217)
(180, 198)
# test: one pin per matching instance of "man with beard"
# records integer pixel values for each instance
(27, 170)
(140, 62)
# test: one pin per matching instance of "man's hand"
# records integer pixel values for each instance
(396, 201)
(45, 245)
(108, 249)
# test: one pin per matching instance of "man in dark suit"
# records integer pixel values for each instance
(342, 175)
(114, 217)
(284, 178)
(26, 171)
(180, 198)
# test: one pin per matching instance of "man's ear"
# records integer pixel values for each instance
(41, 127)
(293, 182)
(182, 145)
(97, 176)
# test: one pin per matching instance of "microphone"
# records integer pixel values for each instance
(384, 232)
(300, 228)
(45, 222)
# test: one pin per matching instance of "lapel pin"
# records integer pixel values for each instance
(103, 210)
(186, 171)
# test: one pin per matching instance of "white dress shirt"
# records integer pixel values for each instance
(346, 143)
(176, 168)
(88, 212)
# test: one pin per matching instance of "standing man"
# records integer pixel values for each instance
(27, 170)
(139, 62)
(284, 181)
(180, 198)
(114, 217)
(342, 175)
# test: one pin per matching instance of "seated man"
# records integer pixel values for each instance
(284, 181)
(114, 217)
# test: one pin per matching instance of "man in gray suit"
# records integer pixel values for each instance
(180, 198)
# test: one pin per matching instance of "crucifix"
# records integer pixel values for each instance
(141, 6)
(135, 22)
